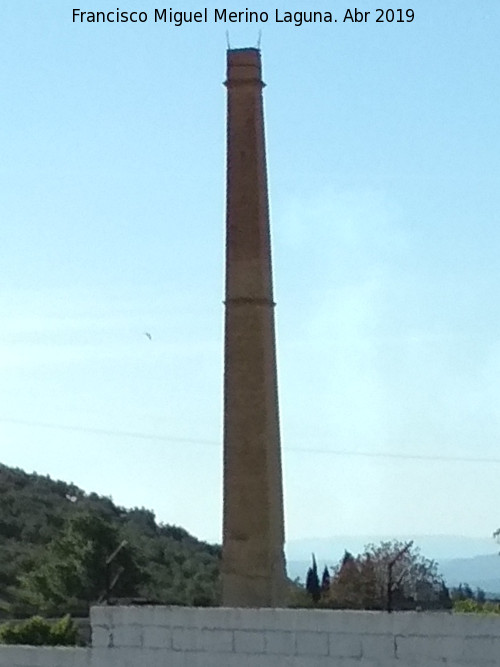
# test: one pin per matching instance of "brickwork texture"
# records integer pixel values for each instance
(189, 637)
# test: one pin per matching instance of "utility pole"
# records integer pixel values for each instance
(389, 572)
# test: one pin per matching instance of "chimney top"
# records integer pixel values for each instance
(243, 65)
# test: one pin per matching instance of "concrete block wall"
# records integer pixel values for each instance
(187, 637)
(33, 656)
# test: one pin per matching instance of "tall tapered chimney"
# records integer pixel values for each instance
(253, 564)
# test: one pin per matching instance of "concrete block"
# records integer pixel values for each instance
(361, 622)
(473, 625)
(320, 620)
(186, 639)
(378, 647)
(248, 641)
(249, 619)
(152, 615)
(423, 648)
(101, 615)
(82, 658)
(31, 656)
(189, 639)
(341, 621)
(316, 661)
(480, 650)
(217, 640)
(238, 660)
(279, 642)
(123, 616)
(62, 657)
(101, 636)
(443, 624)
(157, 637)
(103, 657)
(269, 619)
(312, 643)
(12, 656)
(226, 618)
(430, 624)
(127, 635)
(130, 657)
(344, 646)
(364, 662)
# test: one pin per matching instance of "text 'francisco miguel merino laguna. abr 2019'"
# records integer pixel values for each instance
(297, 18)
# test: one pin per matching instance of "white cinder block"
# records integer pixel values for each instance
(11, 656)
(127, 635)
(189, 639)
(379, 647)
(19, 654)
(101, 636)
(436, 648)
(63, 657)
(279, 642)
(319, 661)
(478, 650)
(101, 615)
(312, 643)
(472, 625)
(247, 619)
(217, 640)
(435, 624)
(126, 616)
(186, 639)
(249, 641)
(157, 637)
(236, 660)
(316, 620)
(104, 657)
(30, 656)
(361, 622)
(129, 657)
(82, 658)
(345, 646)
(222, 618)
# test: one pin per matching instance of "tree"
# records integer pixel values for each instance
(465, 592)
(34, 514)
(389, 575)
(468, 592)
(37, 631)
(480, 595)
(353, 584)
(312, 581)
(325, 581)
(77, 567)
(444, 599)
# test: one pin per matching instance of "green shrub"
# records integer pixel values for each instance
(474, 607)
(37, 631)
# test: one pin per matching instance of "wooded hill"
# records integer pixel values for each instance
(56, 542)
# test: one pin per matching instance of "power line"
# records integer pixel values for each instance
(110, 432)
(214, 443)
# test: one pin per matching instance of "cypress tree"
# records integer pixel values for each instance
(312, 581)
(325, 581)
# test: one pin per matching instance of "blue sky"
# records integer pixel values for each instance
(384, 170)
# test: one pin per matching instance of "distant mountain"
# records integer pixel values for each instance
(461, 559)
(479, 572)
(437, 547)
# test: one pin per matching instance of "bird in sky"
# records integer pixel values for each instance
(146, 333)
